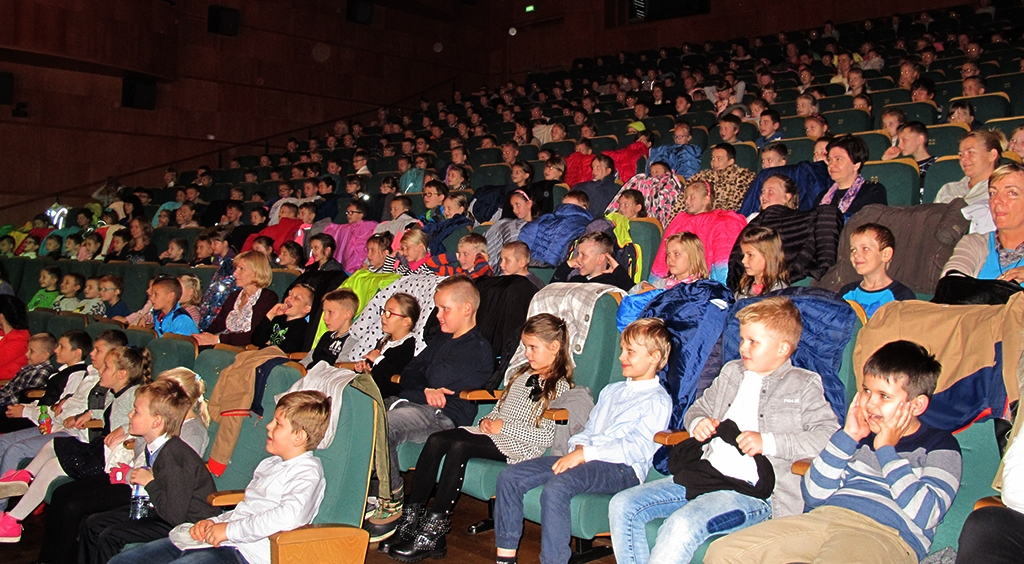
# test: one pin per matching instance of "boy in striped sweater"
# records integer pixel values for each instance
(880, 487)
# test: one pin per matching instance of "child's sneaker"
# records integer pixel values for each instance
(14, 483)
(10, 528)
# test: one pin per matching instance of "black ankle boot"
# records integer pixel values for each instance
(431, 540)
(406, 528)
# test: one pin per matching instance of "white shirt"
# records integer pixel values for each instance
(283, 495)
(962, 189)
(77, 404)
(1013, 475)
(743, 411)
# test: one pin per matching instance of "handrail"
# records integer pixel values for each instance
(261, 140)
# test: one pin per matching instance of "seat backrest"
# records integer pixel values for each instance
(210, 362)
(800, 149)
(988, 106)
(604, 143)
(646, 232)
(1006, 125)
(39, 321)
(595, 363)
(348, 462)
(848, 121)
(30, 278)
(560, 148)
(792, 126)
(1011, 83)
(451, 242)
(15, 268)
(944, 139)
(883, 98)
(704, 119)
(924, 112)
(95, 327)
(283, 278)
(946, 91)
(480, 157)
(945, 169)
(833, 103)
(492, 175)
(139, 336)
(877, 142)
(172, 351)
(901, 178)
(136, 281)
(64, 322)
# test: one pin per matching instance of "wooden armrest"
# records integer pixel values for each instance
(346, 365)
(480, 395)
(396, 379)
(94, 424)
(671, 438)
(35, 393)
(231, 348)
(298, 355)
(800, 467)
(559, 416)
(990, 501)
(226, 498)
(340, 544)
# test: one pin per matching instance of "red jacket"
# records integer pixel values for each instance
(577, 168)
(13, 347)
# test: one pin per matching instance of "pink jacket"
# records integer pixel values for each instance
(351, 239)
(717, 229)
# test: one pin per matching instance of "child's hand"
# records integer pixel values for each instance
(279, 309)
(372, 355)
(58, 407)
(361, 367)
(750, 443)
(206, 339)
(610, 264)
(645, 287)
(705, 429)
(856, 420)
(893, 429)
(493, 426)
(892, 153)
(437, 398)
(217, 534)
(199, 530)
(81, 420)
(15, 411)
(571, 460)
(69, 423)
(141, 476)
(116, 436)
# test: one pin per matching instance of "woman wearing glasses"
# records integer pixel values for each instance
(397, 347)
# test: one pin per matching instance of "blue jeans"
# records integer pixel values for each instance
(556, 520)
(19, 445)
(163, 551)
(687, 523)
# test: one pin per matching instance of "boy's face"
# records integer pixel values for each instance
(891, 125)
(281, 439)
(203, 249)
(865, 254)
(728, 131)
(307, 215)
(109, 293)
(142, 422)
(397, 209)
(99, 352)
(163, 299)
(36, 352)
(31, 245)
(47, 280)
(336, 315)
(92, 289)
(69, 287)
(299, 302)
(762, 350)
(590, 259)
(637, 362)
(454, 317)
(466, 256)
(880, 400)
(511, 263)
(432, 198)
(65, 354)
(317, 251)
(6, 246)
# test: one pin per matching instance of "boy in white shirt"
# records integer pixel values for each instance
(284, 494)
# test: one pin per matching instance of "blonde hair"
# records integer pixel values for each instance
(194, 386)
(767, 242)
(135, 361)
(260, 265)
(308, 411)
(652, 334)
(169, 401)
(703, 186)
(191, 281)
(694, 249)
(779, 316)
(416, 237)
(476, 242)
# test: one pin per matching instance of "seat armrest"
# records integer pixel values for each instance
(35, 393)
(990, 501)
(671, 438)
(298, 355)
(396, 379)
(230, 348)
(94, 424)
(800, 467)
(559, 416)
(226, 498)
(480, 396)
(338, 544)
(346, 365)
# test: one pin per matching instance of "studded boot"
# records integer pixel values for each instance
(406, 527)
(431, 540)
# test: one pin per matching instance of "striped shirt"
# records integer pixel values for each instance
(908, 487)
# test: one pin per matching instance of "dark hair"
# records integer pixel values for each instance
(235, 205)
(264, 240)
(79, 340)
(730, 151)
(908, 363)
(260, 211)
(926, 84)
(916, 127)
(54, 271)
(359, 205)
(774, 115)
(113, 337)
(295, 250)
(326, 241)
(776, 147)
(171, 284)
(854, 146)
(731, 118)
(14, 311)
(356, 179)
(78, 278)
(605, 161)
(383, 240)
(885, 238)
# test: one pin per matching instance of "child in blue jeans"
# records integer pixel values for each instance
(759, 416)
(612, 453)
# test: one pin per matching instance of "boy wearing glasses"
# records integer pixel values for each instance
(286, 323)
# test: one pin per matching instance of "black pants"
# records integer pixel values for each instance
(105, 534)
(456, 447)
(69, 506)
(992, 535)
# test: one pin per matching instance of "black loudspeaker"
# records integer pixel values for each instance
(360, 12)
(222, 21)
(6, 88)
(138, 93)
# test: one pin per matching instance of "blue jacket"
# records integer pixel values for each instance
(684, 159)
(178, 322)
(695, 315)
(811, 178)
(549, 235)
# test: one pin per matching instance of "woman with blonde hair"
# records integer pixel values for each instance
(252, 300)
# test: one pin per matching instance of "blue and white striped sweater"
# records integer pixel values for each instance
(909, 487)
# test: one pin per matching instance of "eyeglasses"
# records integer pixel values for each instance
(388, 314)
(353, 212)
(107, 289)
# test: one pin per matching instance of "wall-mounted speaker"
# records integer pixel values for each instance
(6, 88)
(360, 12)
(222, 21)
(138, 93)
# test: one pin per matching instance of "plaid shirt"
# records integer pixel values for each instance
(30, 376)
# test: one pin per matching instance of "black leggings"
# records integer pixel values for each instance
(70, 504)
(456, 447)
(992, 535)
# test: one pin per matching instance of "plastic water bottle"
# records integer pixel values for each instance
(140, 506)
(45, 421)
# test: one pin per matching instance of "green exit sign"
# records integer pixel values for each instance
(531, 8)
